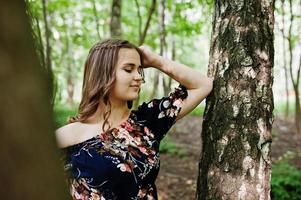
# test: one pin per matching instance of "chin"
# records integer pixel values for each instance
(133, 98)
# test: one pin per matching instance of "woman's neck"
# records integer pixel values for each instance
(119, 113)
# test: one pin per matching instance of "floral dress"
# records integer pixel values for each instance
(123, 162)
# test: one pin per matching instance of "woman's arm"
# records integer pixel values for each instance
(198, 85)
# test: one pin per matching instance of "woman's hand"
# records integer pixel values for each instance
(150, 59)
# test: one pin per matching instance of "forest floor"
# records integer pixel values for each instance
(178, 173)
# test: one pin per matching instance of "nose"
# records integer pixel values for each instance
(138, 76)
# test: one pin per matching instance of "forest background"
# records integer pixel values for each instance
(180, 30)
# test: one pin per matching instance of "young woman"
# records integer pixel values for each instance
(112, 151)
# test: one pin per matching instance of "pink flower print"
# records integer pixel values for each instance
(94, 195)
(172, 112)
(143, 150)
(177, 102)
(148, 132)
(151, 160)
(137, 140)
(128, 126)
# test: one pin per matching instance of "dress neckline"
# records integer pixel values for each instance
(97, 135)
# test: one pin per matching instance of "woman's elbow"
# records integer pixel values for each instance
(209, 84)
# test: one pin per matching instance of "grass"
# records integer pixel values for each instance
(168, 146)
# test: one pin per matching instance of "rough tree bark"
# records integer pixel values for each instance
(235, 161)
(115, 24)
(30, 167)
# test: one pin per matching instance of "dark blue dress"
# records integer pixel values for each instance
(123, 162)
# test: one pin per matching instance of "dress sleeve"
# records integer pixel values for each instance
(160, 114)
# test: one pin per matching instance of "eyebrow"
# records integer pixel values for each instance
(131, 64)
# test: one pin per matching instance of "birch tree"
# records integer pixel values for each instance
(235, 161)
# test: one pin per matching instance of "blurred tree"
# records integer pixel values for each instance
(147, 24)
(96, 18)
(163, 44)
(30, 166)
(284, 59)
(236, 132)
(295, 82)
(47, 62)
(142, 35)
(115, 24)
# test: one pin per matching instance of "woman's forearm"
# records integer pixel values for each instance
(186, 76)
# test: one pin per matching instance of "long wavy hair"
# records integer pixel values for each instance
(99, 78)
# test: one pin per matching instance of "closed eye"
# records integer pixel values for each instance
(128, 70)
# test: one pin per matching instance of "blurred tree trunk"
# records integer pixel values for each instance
(142, 36)
(294, 82)
(30, 166)
(149, 17)
(163, 46)
(68, 63)
(236, 133)
(48, 52)
(139, 20)
(141, 41)
(96, 18)
(284, 60)
(115, 24)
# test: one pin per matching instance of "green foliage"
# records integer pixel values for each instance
(286, 182)
(168, 146)
(198, 111)
(280, 108)
(62, 113)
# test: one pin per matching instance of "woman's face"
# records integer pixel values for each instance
(128, 79)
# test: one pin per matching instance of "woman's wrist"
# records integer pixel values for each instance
(162, 63)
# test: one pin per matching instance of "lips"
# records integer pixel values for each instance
(138, 86)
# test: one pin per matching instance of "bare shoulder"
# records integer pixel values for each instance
(65, 135)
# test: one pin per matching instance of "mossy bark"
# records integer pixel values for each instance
(235, 162)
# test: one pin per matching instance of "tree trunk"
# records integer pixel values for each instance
(139, 20)
(48, 52)
(298, 111)
(69, 65)
(236, 133)
(284, 61)
(141, 41)
(30, 166)
(115, 24)
(163, 45)
(96, 19)
(150, 14)
(295, 83)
